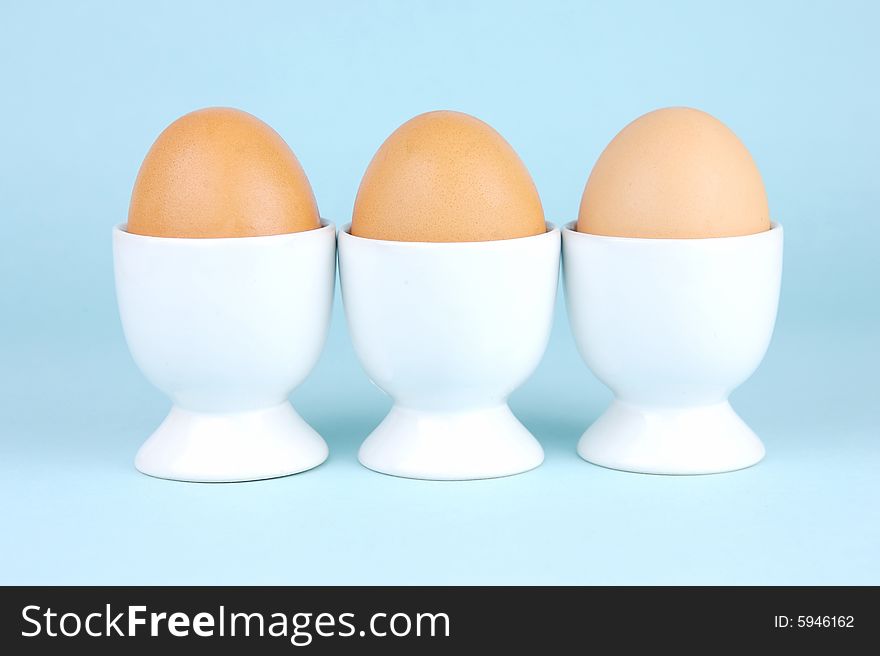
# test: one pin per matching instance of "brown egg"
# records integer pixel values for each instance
(446, 177)
(221, 172)
(674, 173)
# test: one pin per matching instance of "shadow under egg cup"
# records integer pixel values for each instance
(672, 326)
(449, 330)
(227, 328)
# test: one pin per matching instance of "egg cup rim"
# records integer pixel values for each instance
(120, 228)
(775, 229)
(345, 233)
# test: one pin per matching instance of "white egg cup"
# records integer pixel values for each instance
(672, 326)
(227, 328)
(449, 330)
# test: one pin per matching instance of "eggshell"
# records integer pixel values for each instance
(674, 173)
(221, 172)
(446, 177)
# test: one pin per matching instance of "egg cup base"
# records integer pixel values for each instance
(231, 447)
(452, 445)
(707, 439)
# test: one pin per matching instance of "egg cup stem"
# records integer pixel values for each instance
(691, 440)
(227, 447)
(451, 445)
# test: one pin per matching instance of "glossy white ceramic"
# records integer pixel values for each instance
(449, 330)
(672, 326)
(227, 328)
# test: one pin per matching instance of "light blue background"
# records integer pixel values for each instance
(86, 87)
